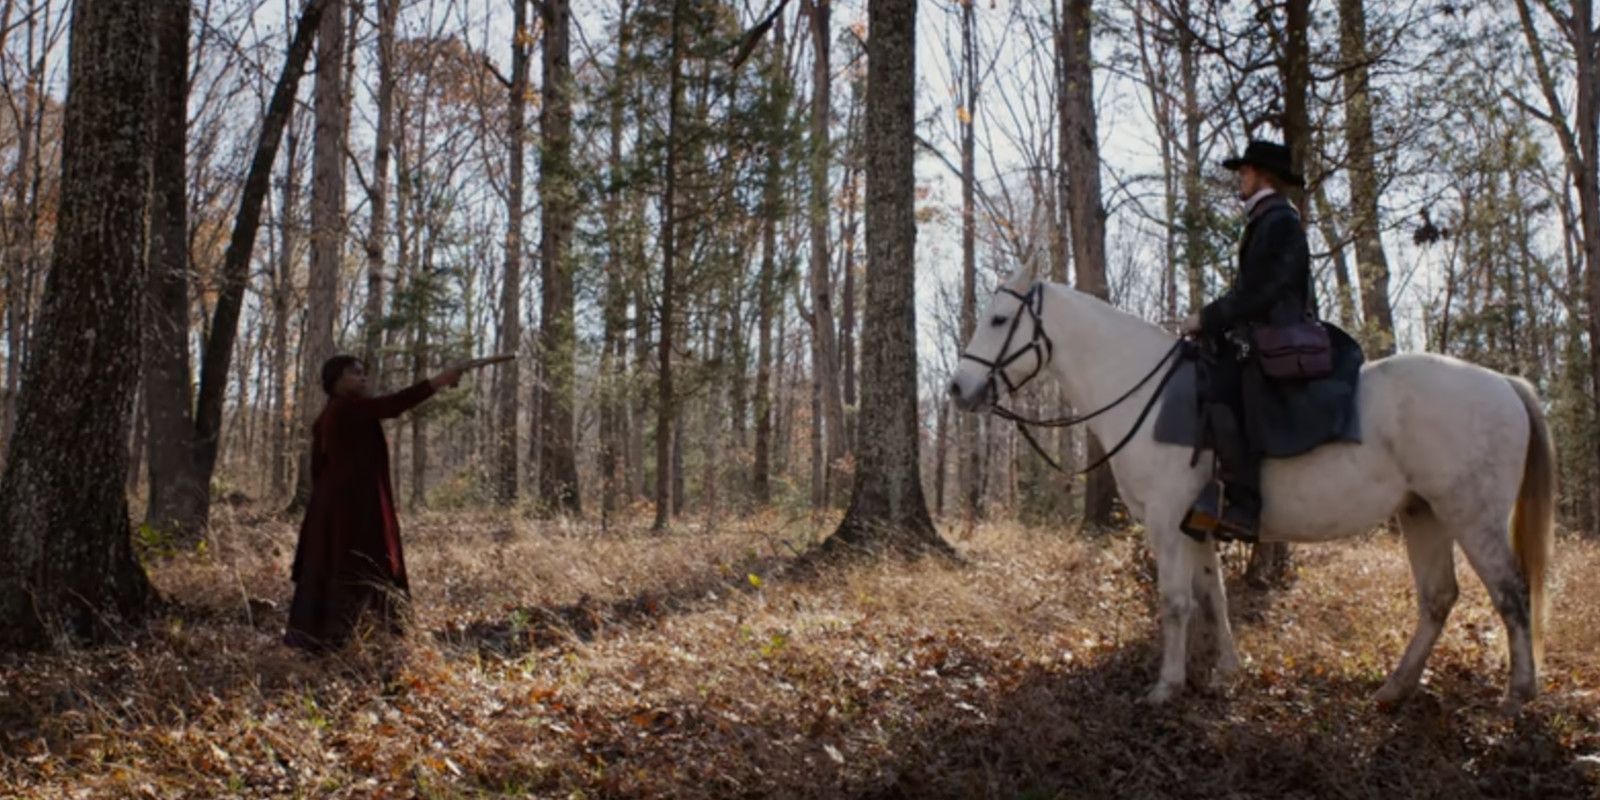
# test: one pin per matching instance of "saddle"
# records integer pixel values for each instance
(1283, 417)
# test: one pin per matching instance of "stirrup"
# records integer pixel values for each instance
(1232, 530)
(1205, 514)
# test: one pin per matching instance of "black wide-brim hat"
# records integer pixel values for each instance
(1269, 156)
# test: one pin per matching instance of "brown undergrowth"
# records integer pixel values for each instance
(548, 659)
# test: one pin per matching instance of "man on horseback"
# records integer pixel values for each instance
(1273, 286)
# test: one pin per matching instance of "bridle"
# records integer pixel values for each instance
(1040, 345)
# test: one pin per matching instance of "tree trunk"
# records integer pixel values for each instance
(1372, 265)
(941, 449)
(558, 463)
(1269, 561)
(1194, 228)
(887, 508)
(826, 366)
(665, 412)
(767, 294)
(178, 492)
(25, 219)
(327, 230)
(613, 349)
(218, 356)
(508, 378)
(1582, 152)
(1086, 212)
(378, 198)
(970, 460)
(282, 292)
(1341, 265)
(65, 539)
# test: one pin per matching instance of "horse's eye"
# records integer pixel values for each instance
(997, 321)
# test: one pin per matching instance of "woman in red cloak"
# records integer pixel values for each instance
(348, 560)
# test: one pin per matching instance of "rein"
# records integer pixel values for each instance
(1033, 303)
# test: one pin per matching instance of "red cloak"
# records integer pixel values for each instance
(348, 558)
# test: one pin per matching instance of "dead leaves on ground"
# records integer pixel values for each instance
(695, 666)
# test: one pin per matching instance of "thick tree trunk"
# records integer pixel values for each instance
(558, 463)
(178, 492)
(887, 508)
(1371, 263)
(327, 230)
(66, 560)
(1086, 212)
(509, 376)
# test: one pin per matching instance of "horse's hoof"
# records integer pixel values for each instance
(1160, 694)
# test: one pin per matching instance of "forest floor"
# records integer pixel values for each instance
(553, 661)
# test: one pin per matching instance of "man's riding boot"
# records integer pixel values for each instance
(1232, 512)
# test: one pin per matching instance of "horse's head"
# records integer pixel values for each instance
(1008, 346)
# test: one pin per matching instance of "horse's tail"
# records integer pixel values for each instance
(1533, 521)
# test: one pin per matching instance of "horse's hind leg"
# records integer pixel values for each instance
(1489, 551)
(1433, 566)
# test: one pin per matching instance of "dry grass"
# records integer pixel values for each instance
(559, 662)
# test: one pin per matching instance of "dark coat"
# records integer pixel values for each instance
(1273, 286)
(1274, 277)
(349, 555)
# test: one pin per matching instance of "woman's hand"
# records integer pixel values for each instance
(1191, 325)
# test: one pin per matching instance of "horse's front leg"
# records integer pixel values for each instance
(1176, 557)
(1213, 599)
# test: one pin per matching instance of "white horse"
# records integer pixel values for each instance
(1459, 452)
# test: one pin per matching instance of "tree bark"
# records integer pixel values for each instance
(378, 197)
(1086, 211)
(178, 492)
(509, 376)
(189, 461)
(826, 350)
(767, 294)
(327, 229)
(558, 463)
(66, 557)
(613, 350)
(969, 458)
(1582, 151)
(887, 508)
(665, 411)
(1371, 263)
(282, 294)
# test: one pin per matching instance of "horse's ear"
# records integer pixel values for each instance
(1020, 281)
